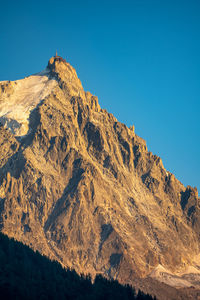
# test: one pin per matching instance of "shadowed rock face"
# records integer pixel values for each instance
(83, 189)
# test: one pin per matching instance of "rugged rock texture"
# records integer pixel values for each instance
(83, 189)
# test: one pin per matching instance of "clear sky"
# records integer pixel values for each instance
(140, 57)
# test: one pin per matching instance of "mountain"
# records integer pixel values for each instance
(83, 189)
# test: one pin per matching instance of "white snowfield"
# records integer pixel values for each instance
(28, 93)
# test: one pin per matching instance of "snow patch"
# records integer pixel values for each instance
(27, 94)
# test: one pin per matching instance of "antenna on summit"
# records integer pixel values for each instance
(56, 54)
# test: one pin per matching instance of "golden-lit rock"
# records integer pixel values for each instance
(83, 189)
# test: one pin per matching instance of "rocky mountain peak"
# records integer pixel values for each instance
(57, 64)
(82, 188)
(66, 76)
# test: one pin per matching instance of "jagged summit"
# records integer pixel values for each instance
(66, 76)
(83, 188)
(18, 98)
(56, 59)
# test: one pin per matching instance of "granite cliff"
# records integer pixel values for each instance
(82, 188)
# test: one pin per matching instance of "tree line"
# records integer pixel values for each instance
(25, 274)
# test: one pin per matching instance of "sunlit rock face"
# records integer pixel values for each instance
(82, 188)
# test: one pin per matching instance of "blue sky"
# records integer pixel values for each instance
(140, 57)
